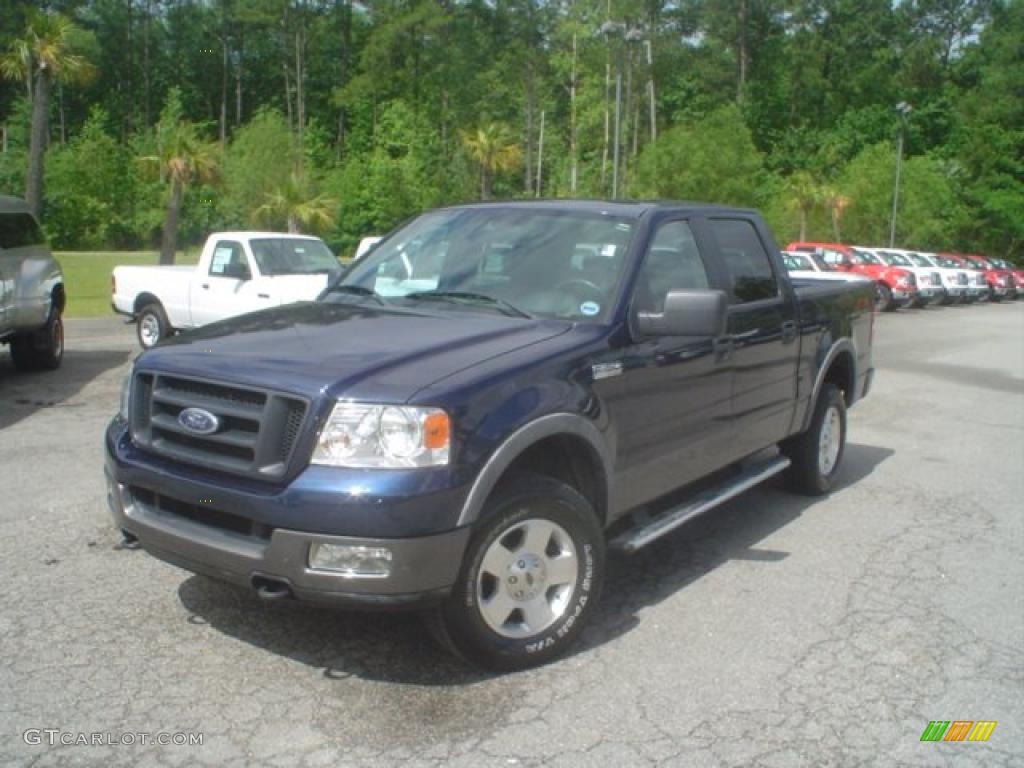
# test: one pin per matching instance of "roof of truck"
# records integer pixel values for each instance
(248, 235)
(10, 204)
(630, 208)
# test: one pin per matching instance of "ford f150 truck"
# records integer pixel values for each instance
(31, 291)
(238, 272)
(475, 411)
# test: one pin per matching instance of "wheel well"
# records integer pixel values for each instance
(571, 460)
(59, 298)
(841, 373)
(143, 299)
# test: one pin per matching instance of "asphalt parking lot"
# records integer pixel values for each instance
(778, 631)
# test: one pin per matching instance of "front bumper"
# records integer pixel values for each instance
(901, 297)
(211, 541)
(929, 294)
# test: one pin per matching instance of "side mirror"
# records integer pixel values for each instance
(687, 313)
(237, 271)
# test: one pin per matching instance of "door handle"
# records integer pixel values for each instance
(263, 295)
(788, 331)
(206, 286)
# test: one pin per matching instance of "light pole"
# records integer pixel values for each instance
(902, 109)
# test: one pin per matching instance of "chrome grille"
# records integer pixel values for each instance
(961, 278)
(255, 435)
(936, 278)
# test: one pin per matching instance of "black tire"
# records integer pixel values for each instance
(883, 298)
(805, 474)
(42, 349)
(151, 325)
(459, 623)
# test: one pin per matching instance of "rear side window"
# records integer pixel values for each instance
(18, 230)
(750, 270)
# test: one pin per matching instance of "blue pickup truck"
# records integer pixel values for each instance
(470, 417)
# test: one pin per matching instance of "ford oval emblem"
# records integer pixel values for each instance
(199, 421)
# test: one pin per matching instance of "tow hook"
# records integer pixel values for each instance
(271, 589)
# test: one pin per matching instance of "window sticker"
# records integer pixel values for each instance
(590, 308)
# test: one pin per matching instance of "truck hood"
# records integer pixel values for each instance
(345, 350)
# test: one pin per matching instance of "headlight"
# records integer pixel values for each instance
(126, 393)
(383, 436)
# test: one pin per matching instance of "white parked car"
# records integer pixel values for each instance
(365, 246)
(930, 288)
(812, 266)
(971, 283)
(238, 272)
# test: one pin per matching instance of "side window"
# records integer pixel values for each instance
(672, 263)
(745, 259)
(228, 260)
(18, 230)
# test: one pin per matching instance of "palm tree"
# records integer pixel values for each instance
(494, 149)
(836, 203)
(183, 158)
(44, 55)
(295, 203)
(803, 193)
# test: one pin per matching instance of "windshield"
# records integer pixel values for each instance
(919, 260)
(949, 263)
(866, 257)
(895, 259)
(797, 261)
(562, 264)
(293, 256)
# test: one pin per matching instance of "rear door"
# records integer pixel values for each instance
(673, 419)
(762, 336)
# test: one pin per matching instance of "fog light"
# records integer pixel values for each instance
(351, 561)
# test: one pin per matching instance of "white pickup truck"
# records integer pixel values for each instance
(238, 272)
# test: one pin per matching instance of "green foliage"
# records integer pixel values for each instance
(261, 159)
(376, 109)
(712, 160)
(928, 212)
(92, 189)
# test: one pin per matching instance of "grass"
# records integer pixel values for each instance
(87, 276)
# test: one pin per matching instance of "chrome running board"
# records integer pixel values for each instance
(635, 538)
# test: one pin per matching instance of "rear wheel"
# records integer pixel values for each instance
(42, 349)
(152, 326)
(817, 453)
(530, 579)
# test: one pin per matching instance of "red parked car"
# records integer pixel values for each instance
(1016, 275)
(894, 286)
(1000, 281)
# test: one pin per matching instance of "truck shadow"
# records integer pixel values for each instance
(22, 394)
(395, 647)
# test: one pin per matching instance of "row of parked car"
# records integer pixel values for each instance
(908, 278)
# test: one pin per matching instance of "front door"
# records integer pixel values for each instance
(673, 419)
(762, 336)
(228, 288)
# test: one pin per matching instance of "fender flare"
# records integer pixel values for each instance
(838, 347)
(518, 442)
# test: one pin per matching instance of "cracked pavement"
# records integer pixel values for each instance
(775, 631)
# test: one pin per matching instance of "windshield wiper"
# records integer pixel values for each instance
(356, 290)
(479, 298)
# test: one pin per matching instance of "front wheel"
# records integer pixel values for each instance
(530, 578)
(883, 298)
(817, 453)
(152, 325)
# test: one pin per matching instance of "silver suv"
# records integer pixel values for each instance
(31, 290)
